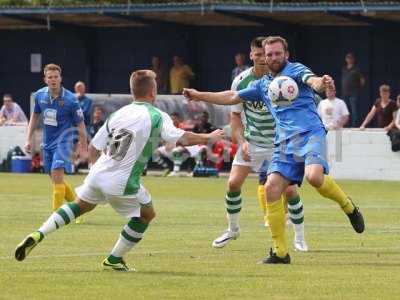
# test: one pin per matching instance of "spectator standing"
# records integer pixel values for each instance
(11, 113)
(383, 108)
(84, 101)
(81, 158)
(333, 111)
(352, 82)
(162, 74)
(97, 121)
(179, 75)
(240, 61)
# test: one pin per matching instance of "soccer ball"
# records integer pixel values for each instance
(282, 91)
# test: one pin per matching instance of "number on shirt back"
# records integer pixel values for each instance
(119, 143)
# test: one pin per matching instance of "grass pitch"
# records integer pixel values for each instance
(175, 259)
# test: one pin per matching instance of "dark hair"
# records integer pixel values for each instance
(257, 42)
(8, 96)
(176, 114)
(98, 107)
(276, 39)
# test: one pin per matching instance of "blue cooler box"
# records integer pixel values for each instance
(21, 164)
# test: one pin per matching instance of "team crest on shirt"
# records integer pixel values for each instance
(61, 103)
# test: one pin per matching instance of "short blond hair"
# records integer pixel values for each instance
(384, 87)
(142, 82)
(276, 39)
(51, 67)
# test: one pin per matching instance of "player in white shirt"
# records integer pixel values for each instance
(333, 111)
(119, 151)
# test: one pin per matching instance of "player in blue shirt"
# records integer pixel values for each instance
(300, 141)
(62, 116)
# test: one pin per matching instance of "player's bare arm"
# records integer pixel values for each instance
(94, 154)
(31, 128)
(237, 128)
(221, 98)
(190, 138)
(82, 136)
(238, 134)
(320, 84)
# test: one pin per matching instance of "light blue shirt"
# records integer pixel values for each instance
(298, 117)
(60, 116)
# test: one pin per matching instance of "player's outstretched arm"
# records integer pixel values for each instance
(321, 84)
(222, 98)
(190, 138)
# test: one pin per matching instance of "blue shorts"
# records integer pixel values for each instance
(57, 158)
(291, 156)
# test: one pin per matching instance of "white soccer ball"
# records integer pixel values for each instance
(282, 91)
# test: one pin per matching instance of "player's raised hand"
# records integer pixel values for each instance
(191, 94)
(217, 135)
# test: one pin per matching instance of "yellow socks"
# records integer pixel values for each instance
(69, 193)
(277, 224)
(58, 195)
(330, 189)
(261, 199)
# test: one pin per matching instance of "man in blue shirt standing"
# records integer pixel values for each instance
(62, 116)
(300, 140)
(84, 101)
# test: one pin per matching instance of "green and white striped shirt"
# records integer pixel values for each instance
(259, 123)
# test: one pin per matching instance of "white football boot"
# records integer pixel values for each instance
(300, 245)
(225, 238)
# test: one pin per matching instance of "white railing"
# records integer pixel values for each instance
(364, 155)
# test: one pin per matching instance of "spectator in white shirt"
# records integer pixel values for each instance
(333, 111)
(11, 113)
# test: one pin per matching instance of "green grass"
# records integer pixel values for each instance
(175, 259)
